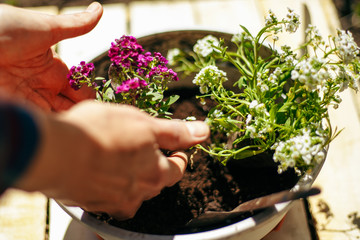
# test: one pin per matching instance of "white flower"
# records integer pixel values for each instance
(258, 122)
(248, 119)
(172, 54)
(252, 131)
(270, 18)
(292, 21)
(263, 87)
(311, 72)
(305, 147)
(208, 77)
(314, 36)
(348, 49)
(190, 118)
(290, 60)
(253, 104)
(203, 89)
(239, 37)
(203, 46)
(217, 113)
(346, 77)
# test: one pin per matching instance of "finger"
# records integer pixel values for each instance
(61, 103)
(176, 134)
(178, 162)
(73, 25)
(74, 96)
(78, 95)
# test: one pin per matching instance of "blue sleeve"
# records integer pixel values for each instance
(19, 137)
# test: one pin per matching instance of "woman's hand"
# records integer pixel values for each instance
(107, 158)
(29, 68)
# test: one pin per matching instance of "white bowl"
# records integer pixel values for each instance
(255, 227)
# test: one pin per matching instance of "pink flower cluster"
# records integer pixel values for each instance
(134, 83)
(126, 52)
(80, 74)
(127, 55)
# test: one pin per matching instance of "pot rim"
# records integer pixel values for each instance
(245, 225)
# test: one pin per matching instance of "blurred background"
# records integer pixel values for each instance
(348, 10)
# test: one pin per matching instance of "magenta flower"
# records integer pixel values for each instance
(143, 83)
(134, 77)
(144, 60)
(80, 74)
(161, 58)
(123, 88)
(125, 51)
(131, 84)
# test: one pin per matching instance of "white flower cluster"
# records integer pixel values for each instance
(287, 56)
(215, 118)
(303, 149)
(348, 78)
(172, 55)
(239, 37)
(265, 81)
(311, 72)
(261, 84)
(348, 49)
(204, 46)
(292, 21)
(270, 18)
(258, 122)
(208, 77)
(314, 36)
(274, 76)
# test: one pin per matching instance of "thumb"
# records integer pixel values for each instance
(177, 134)
(73, 25)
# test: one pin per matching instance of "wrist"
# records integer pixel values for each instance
(63, 150)
(19, 140)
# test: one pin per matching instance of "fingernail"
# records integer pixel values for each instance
(92, 7)
(198, 129)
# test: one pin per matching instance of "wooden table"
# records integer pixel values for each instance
(23, 215)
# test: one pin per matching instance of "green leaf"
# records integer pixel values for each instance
(172, 99)
(245, 154)
(273, 111)
(246, 30)
(285, 107)
(109, 94)
(107, 84)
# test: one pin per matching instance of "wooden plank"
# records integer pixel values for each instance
(22, 215)
(294, 225)
(339, 178)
